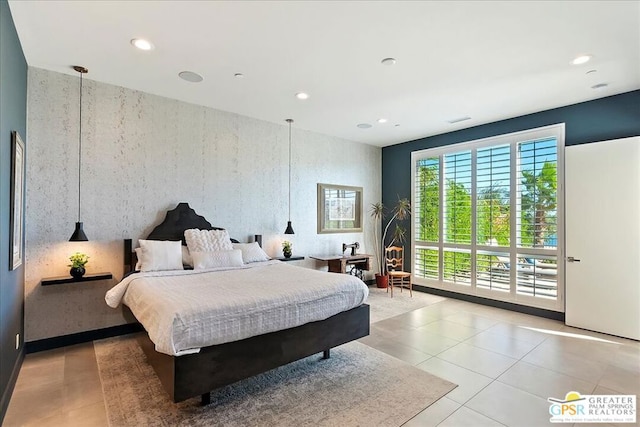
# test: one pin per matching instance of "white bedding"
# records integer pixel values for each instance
(185, 310)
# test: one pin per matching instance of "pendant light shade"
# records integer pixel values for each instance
(289, 229)
(78, 235)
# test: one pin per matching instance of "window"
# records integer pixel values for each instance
(487, 217)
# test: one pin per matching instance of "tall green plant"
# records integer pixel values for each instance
(401, 211)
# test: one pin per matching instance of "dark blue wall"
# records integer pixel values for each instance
(13, 116)
(600, 120)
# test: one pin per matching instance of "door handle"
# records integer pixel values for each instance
(572, 259)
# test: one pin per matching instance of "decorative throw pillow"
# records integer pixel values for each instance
(251, 252)
(216, 259)
(207, 240)
(158, 255)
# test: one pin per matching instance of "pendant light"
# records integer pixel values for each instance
(78, 235)
(289, 229)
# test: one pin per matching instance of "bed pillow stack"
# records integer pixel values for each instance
(212, 249)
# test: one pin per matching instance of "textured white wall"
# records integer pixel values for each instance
(143, 154)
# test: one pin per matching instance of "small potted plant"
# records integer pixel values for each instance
(286, 249)
(78, 261)
(401, 211)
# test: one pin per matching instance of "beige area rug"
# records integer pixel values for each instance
(382, 306)
(357, 386)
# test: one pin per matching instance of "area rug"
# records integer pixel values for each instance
(357, 386)
(382, 306)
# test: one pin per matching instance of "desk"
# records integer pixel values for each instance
(339, 263)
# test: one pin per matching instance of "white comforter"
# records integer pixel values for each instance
(188, 309)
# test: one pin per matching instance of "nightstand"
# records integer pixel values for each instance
(68, 279)
(292, 258)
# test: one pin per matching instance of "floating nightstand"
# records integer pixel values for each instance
(291, 258)
(68, 279)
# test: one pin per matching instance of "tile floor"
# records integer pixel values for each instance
(506, 365)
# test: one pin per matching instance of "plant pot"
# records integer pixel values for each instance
(382, 281)
(287, 254)
(77, 272)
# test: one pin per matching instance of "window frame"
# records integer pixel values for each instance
(556, 131)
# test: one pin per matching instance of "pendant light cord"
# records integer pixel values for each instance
(80, 148)
(290, 121)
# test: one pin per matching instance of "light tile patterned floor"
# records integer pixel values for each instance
(506, 365)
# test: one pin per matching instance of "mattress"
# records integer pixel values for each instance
(185, 310)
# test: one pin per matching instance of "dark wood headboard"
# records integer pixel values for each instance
(177, 220)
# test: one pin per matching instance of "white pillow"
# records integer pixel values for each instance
(214, 259)
(186, 256)
(207, 240)
(139, 259)
(160, 255)
(251, 252)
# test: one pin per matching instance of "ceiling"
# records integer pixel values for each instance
(485, 60)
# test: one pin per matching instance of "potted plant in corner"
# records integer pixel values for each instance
(78, 261)
(401, 211)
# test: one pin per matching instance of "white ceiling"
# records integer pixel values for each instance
(483, 59)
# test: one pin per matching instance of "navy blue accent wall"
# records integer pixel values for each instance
(13, 116)
(603, 119)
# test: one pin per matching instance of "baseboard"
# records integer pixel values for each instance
(7, 392)
(534, 311)
(81, 337)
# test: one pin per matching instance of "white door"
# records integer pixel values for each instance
(602, 194)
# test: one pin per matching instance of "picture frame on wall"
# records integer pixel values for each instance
(339, 209)
(17, 201)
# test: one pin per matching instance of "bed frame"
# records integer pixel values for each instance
(188, 376)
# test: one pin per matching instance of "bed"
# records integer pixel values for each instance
(236, 351)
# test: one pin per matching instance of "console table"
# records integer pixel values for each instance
(352, 264)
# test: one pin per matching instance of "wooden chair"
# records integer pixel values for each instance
(395, 266)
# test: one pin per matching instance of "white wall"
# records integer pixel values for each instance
(143, 154)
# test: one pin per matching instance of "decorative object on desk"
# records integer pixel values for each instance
(78, 261)
(353, 246)
(17, 201)
(286, 249)
(401, 211)
(339, 209)
(78, 235)
(289, 229)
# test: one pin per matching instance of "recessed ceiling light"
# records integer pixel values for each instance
(382, 120)
(459, 119)
(238, 75)
(302, 95)
(599, 86)
(388, 61)
(142, 44)
(582, 59)
(190, 76)
(364, 125)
